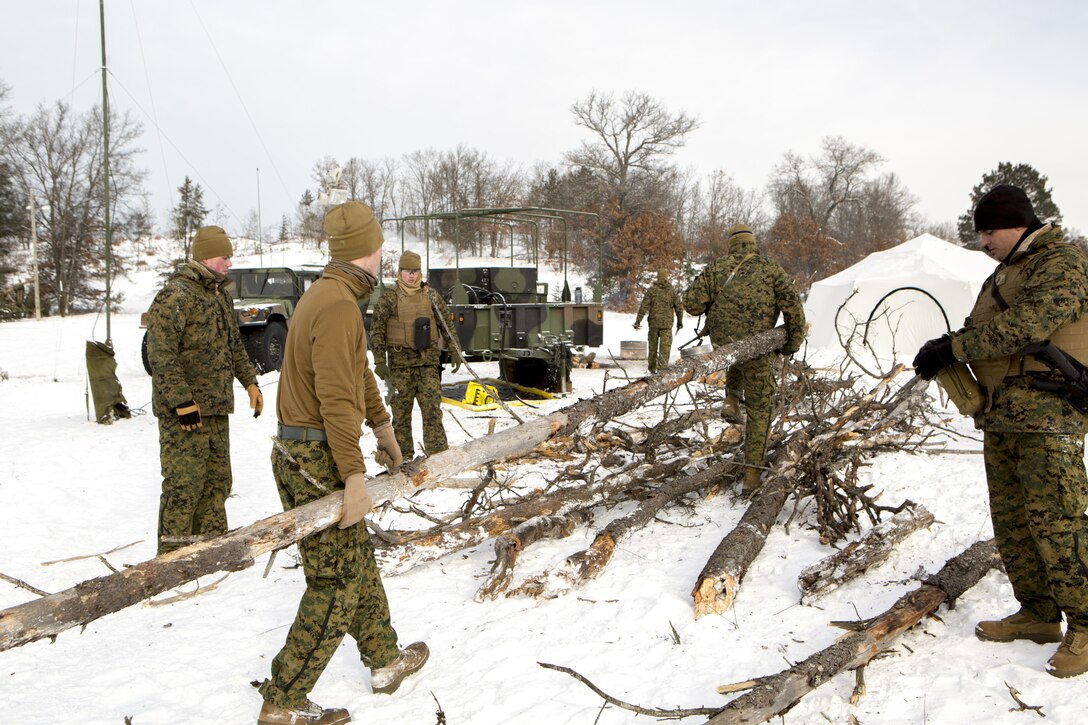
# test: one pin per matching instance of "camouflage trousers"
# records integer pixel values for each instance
(422, 384)
(660, 346)
(344, 592)
(196, 481)
(754, 384)
(1038, 495)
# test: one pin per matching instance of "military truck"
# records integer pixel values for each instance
(264, 300)
(504, 313)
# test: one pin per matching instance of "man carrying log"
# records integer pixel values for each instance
(742, 294)
(326, 391)
(1033, 421)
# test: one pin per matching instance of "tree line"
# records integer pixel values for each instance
(640, 211)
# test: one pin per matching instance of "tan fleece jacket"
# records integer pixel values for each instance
(326, 380)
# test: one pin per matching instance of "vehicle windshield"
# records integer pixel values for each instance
(264, 284)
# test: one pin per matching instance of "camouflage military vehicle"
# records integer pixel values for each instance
(504, 314)
(264, 300)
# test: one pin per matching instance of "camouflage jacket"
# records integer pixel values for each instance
(1054, 293)
(743, 294)
(194, 346)
(659, 305)
(404, 357)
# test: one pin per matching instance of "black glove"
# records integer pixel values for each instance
(934, 356)
(679, 326)
(189, 415)
(788, 349)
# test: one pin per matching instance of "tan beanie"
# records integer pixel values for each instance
(353, 231)
(211, 242)
(410, 261)
(741, 233)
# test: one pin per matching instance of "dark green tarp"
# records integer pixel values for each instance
(109, 402)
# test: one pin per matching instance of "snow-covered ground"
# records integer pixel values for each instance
(69, 487)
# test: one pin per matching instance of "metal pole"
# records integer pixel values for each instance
(260, 240)
(34, 252)
(106, 166)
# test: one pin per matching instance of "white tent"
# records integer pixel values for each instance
(885, 306)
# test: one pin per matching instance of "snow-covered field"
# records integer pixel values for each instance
(69, 487)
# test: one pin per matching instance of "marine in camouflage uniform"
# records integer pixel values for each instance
(326, 392)
(196, 352)
(1033, 440)
(742, 294)
(659, 306)
(408, 359)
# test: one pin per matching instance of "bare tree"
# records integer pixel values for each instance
(723, 204)
(421, 180)
(835, 197)
(816, 188)
(58, 153)
(636, 134)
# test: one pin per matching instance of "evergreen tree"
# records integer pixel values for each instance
(1027, 178)
(284, 229)
(309, 221)
(188, 215)
(13, 223)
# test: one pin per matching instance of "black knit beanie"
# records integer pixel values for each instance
(1003, 207)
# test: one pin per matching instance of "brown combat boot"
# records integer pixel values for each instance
(307, 714)
(731, 409)
(1019, 626)
(1071, 659)
(752, 479)
(386, 680)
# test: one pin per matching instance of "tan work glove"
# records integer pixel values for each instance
(388, 453)
(256, 400)
(357, 500)
(189, 415)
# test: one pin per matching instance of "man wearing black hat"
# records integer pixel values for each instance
(1033, 440)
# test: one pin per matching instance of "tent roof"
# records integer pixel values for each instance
(925, 255)
(912, 292)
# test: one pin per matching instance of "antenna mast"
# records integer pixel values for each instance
(106, 167)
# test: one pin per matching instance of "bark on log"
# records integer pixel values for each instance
(859, 556)
(87, 601)
(440, 542)
(717, 583)
(511, 544)
(588, 563)
(94, 598)
(775, 694)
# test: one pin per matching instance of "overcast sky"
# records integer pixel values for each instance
(943, 90)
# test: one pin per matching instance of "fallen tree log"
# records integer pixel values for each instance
(717, 584)
(859, 556)
(511, 544)
(584, 565)
(716, 587)
(440, 541)
(235, 550)
(775, 694)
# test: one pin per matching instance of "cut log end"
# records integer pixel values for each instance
(714, 595)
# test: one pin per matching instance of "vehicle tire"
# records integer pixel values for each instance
(267, 352)
(143, 355)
